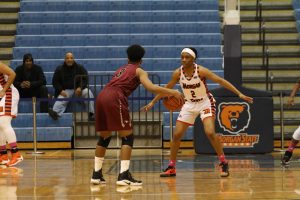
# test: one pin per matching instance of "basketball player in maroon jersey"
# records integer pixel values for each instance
(198, 101)
(112, 113)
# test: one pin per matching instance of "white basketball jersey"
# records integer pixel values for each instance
(195, 88)
(8, 103)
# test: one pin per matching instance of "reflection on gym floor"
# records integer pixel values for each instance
(65, 174)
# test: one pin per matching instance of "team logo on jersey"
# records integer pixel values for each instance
(191, 86)
(234, 118)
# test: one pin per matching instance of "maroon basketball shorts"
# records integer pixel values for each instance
(112, 113)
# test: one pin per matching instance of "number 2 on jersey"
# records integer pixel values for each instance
(193, 94)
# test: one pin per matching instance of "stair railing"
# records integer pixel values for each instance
(258, 2)
(259, 18)
(34, 130)
(267, 69)
(281, 95)
(265, 54)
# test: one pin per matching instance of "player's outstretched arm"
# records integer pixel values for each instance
(217, 79)
(4, 69)
(160, 91)
(295, 89)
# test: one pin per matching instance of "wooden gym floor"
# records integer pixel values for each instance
(65, 174)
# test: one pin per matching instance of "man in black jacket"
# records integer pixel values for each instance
(70, 79)
(31, 82)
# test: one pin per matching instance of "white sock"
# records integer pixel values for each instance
(124, 165)
(98, 163)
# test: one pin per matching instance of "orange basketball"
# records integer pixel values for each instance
(172, 103)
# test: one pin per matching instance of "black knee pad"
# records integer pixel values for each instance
(128, 140)
(103, 142)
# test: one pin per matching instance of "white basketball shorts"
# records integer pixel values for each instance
(190, 110)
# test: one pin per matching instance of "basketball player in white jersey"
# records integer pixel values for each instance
(9, 99)
(198, 100)
(296, 136)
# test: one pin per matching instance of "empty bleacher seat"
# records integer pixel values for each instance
(297, 13)
(48, 129)
(45, 134)
(118, 16)
(94, 52)
(43, 120)
(118, 39)
(29, 29)
(189, 134)
(117, 5)
(296, 4)
(121, 28)
(149, 64)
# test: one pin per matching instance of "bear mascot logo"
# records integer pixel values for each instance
(234, 117)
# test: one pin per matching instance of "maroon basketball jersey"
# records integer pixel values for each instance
(125, 79)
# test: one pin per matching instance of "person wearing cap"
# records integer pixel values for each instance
(31, 82)
(198, 101)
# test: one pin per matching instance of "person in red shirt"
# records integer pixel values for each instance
(112, 113)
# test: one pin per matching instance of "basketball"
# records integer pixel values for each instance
(172, 103)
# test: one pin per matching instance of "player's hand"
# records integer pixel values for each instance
(64, 94)
(27, 84)
(179, 96)
(78, 92)
(147, 107)
(2, 94)
(291, 101)
(246, 98)
(23, 84)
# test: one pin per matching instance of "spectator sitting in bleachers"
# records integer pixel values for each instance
(31, 82)
(63, 82)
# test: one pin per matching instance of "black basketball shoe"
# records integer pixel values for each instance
(286, 158)
(125, 178)
(97, 177)
(224, 169)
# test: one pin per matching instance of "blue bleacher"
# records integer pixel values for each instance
(45, 134)
(114, 52)
(25, 120)
(296, 4)
(127, 5)
(48, 129)
(121, 28)
(297, 14)
(149, 64)
(166, 123)
(118, 16)
(189, 134)
(98, 33)
(165, 76)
